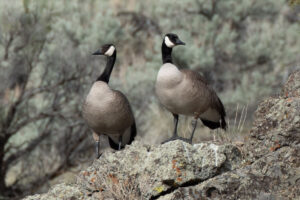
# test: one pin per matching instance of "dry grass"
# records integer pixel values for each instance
(239, 121)
(109, 186)
(119, 189)
(237, 127)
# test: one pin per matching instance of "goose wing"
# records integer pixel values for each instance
(215, 102)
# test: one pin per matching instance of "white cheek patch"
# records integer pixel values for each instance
(110, 51)
(168, 42)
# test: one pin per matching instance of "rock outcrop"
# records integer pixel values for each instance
(149, 172)
(266, 167)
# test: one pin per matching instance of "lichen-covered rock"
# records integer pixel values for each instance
(277, 122)
(146, 172)
(292, 86)
(158, 169)
(275, 176)
(61, 191)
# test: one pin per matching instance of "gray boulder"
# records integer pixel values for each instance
(157, 170)
(61, 191)
(148, 172)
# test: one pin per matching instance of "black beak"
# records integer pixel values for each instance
(179, 42)
(98, 52)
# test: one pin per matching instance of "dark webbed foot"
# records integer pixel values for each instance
(175, 135)
(178, 138)
(99, 155)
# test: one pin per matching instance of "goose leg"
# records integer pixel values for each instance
(175, 134)
(176, 119)
(97, 144)
(97, 147)
(194, 124)
(120, 142)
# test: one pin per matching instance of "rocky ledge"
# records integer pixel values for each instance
(267, 166)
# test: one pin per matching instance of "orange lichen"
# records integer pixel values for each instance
(93, 180)
(85, 173)
(177, 169)
(113, 178)
(275, 147)
(174, 164)
(289, 100)
(286, 94)
(179, 179)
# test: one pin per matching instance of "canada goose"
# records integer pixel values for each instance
(186, 92)
(108, 111)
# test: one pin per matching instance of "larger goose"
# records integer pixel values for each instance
(108, 111)
(186, 92)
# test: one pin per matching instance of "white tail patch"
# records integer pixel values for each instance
(110, 51)
(168, 42)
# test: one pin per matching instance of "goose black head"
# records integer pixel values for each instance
(106, 50)
(172, 40)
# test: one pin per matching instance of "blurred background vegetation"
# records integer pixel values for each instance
(245, 49)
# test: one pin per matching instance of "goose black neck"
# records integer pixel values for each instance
(166, 53)
(108, 68)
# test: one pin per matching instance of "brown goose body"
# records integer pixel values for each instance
(186, 92)
(107, 111)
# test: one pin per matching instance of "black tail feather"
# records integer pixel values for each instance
(133, 133)
(214, 125)
(223, 123)
(115, 146)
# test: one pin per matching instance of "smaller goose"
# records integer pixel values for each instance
(186, 92)
(108, 111)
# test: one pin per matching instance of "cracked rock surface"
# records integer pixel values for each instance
(149, 172)
(267, 168)
(156, 170)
